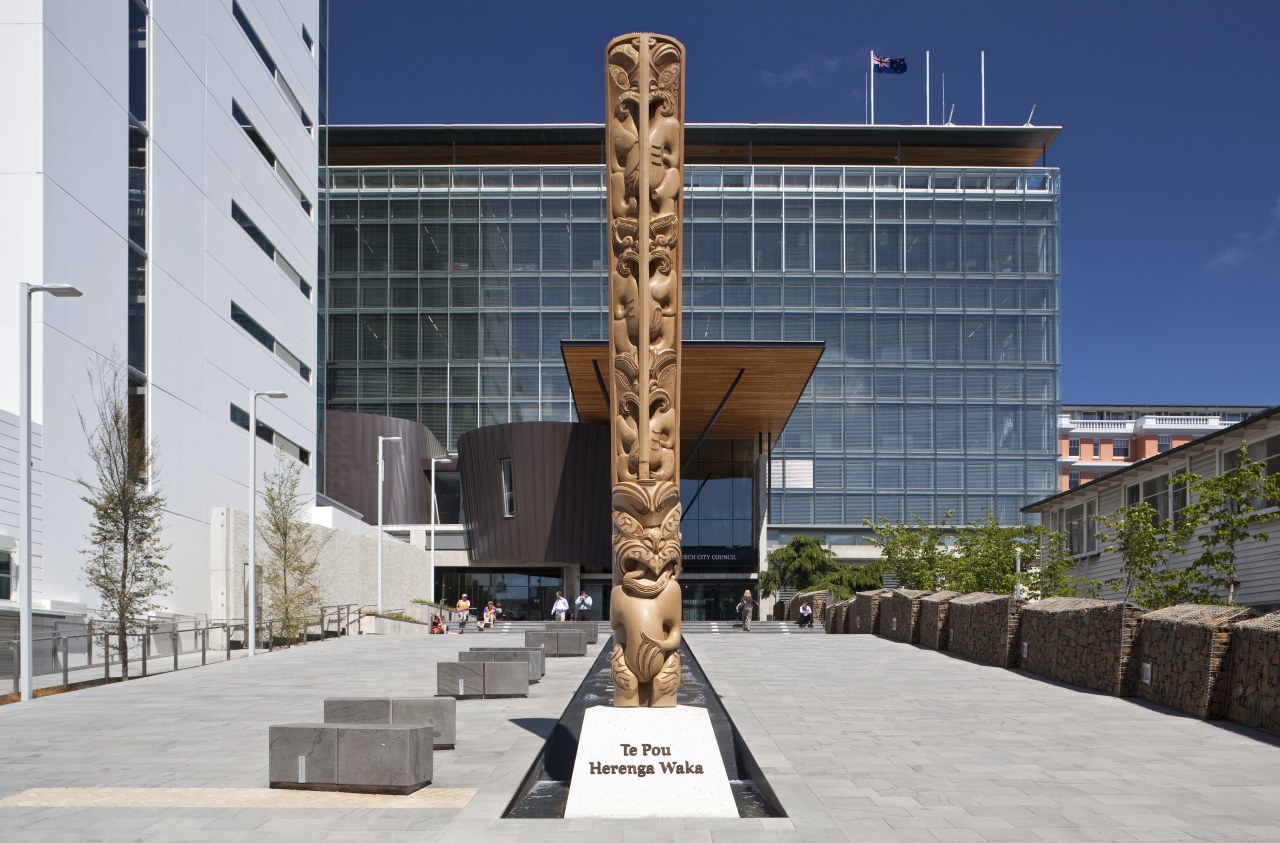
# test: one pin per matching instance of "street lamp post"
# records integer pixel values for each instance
(381, 477)
(26, 557)
(434, 460)
(251, 634)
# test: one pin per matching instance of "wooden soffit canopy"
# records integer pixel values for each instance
(773, 376)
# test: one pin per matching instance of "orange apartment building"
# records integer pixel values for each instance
(1097, 439)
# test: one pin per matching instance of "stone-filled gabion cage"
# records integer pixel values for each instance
(984, 627)
(1182, 657)
(837, 613)
(1083, 642)
(865, 617)
(935, 615)
(1254, 694)
(900, 614)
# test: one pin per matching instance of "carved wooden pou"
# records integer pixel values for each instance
(644, 148)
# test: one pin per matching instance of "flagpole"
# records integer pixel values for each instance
(984, 87)
(871, 72)
(926, 88)
(944, 99)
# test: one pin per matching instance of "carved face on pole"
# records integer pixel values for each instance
(644, 133)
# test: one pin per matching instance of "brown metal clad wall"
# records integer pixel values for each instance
(560, 476)
(351, 466)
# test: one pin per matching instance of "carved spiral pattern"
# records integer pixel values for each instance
(644, 89)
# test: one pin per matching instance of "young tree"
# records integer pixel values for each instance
(124, 562)
(1052, 564)
(986, 553)
(913, 555)
(1147, 546)
(290, 573)
(1227, 507)
(805, 564)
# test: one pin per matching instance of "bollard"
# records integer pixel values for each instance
(89, 648)
(17, 668)
(270, 637)
(65, 683)
(204, 645)
(173, 636)
(226, 627)
(106, 658)
(146, 640)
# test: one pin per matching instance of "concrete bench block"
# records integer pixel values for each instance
(354, 757)
(588, 628)
(357, 710)
(384, 759)
(440, 713)
(302, 755)
(558, 643)
(506, 679)
(523, 656)
(537, 664)
(460, 679)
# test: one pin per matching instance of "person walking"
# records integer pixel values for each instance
(582, 607)
(560, 608)
(464, 611)
(745, 609)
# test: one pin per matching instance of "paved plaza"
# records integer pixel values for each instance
(861, 738)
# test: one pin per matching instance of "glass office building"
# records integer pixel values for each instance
(932, 280)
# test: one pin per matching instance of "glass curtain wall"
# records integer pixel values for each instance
(935, 290)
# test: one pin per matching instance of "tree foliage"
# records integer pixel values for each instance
(1224, 511)
(912, 555)
(124, 562)
(1148, 546)
(805, 564)
(290, 572)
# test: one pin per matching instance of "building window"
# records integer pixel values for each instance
(1097, 449)
(268, 434)
(1073, 480)
(264, 150)
(508, 490)
(1120, 449)
(268, 248)
(308, 40)
(264, 336)
(1081, 528)
(6, 574)
(1073, 447)
(261, 50)
(1164, 442)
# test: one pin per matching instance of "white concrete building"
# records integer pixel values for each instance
(161, 156)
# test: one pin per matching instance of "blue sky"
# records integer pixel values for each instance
(1170, 150)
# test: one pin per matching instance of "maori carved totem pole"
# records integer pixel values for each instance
(644, 139)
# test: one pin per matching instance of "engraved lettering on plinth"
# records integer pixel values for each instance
(644, 140)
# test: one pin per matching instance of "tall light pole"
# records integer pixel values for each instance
(251, 634)
(26, 558)
(434, 460)
(381, 477)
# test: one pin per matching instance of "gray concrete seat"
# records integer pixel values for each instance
(590, 629)
(482, 679)
(532, 655)
(557, 643)
(353, 757)
(440, 713)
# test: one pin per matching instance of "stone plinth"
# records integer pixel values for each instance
(935, 614)
(649, 762)
(522, 656)
(590, 629)
(1182, 655)
(1254, 695)
(984, 627)
(1082, 642)
(440, 713)
(900, 615)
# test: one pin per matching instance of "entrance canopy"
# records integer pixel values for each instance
(748, 388)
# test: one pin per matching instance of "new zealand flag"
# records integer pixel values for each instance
(883, 64)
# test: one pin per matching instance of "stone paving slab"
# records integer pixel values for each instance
(861, 738)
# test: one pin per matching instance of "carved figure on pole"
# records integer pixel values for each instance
(644, 142)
